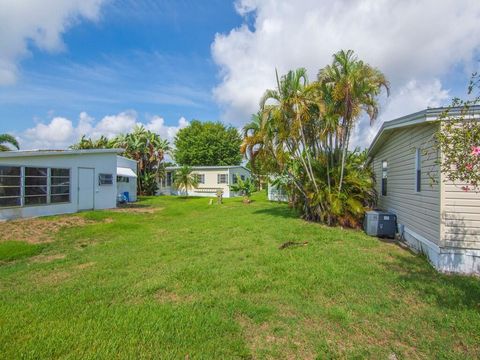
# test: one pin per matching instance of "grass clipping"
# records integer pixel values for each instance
(37, 231)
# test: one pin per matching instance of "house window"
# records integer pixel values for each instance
(201, 178)
(234, 178)
(384, 177)
(36, 186)
(123, 179)
(10, 186)
(169, 179)
(105, 179)
(59, 185)
(418, 170)
(222, 178)
(242, 177)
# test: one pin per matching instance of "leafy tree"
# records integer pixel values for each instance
(459, 139)
(302, 134)
(148, 149)
(184, 179)
(207, 144)
(7, 139)
(89, 143)
(245, 188)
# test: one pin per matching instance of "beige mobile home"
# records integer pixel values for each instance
(210, 180)
(434, 217)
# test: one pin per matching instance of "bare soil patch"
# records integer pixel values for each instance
(35, 231)
(47, 258)
(164, 296)
(137, 208)
(265, 338)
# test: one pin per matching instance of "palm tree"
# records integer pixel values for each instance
(354, 87)
(184, 179)
(8, 139)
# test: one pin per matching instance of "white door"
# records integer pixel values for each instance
(86, 188)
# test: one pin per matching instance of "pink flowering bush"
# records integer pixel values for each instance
(459, 141)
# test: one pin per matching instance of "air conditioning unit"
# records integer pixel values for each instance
(380, 223)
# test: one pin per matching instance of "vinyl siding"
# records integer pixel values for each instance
(418, 211)
(460, 217)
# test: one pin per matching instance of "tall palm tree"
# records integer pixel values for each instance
(10, 140)
(184, 179)
(354, 87)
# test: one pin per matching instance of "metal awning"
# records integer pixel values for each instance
(121, 171)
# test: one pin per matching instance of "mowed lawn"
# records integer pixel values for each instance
(182, 279)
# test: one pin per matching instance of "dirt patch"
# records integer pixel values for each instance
(52, 278)
(38, 230)
(47, 258)
(85, 265)
(163, 296)
(137, 208)
(275, 339)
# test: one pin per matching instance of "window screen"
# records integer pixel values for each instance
(35, 185)
(59, 185)
(10, 186)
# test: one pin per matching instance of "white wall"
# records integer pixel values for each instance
(105, 196)
(208, 189)
(131, 186)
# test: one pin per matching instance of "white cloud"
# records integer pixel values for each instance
(24, 23)
(60, 132)
(413, 96)
(413, 42)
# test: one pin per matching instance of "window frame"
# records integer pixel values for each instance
(50, 185)
(48, 194)
(223, 176)
(19, 186)
(100, 183)
(200, 178)
(384, 187)
(46, 186)
(418, 170)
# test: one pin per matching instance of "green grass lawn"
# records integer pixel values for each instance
(200, 281)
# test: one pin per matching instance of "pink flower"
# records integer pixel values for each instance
(469, 167)
(465, 188)
(476, 150)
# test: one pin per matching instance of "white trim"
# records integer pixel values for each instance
(423, 240)
(30, 153)
(448, 260)
(122, 171)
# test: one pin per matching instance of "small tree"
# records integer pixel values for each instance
(184, 179)
(459, 139)
(245, 188)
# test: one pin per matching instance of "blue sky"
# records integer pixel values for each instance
(102, 66)
(153, 57)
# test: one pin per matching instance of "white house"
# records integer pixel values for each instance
(210, 180)
(127, 177)
(50, 182)
(435, 217)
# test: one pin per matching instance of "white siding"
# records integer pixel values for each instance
(211, 185)
(461, 217)
(105, 196)
(131, 186)
(417, 211)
